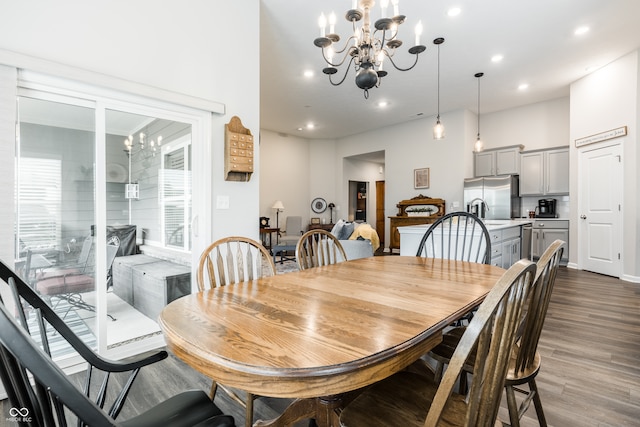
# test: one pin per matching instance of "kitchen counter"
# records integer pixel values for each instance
(491, 224)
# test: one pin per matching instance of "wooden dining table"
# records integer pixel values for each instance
(317, 335)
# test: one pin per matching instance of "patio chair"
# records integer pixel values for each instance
(70, 283)
(416, 399)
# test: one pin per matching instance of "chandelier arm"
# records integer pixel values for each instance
(346, 45)
(398, 68)
(338, 64)
(343, 77)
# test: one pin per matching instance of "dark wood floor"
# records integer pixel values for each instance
(591, 360)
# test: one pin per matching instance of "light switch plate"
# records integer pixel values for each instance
(222, 202)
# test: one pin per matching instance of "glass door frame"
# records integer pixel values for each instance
(62, 90)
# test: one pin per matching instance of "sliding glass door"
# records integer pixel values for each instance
(96, 183)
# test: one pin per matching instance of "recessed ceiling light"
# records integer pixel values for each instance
(382, 104)
(523, 86)
(310, 125)
(308, 73)
(497, 58)
(581, 30)
(299, 129)
(454, 11)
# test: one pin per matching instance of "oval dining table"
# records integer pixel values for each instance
(317, 334)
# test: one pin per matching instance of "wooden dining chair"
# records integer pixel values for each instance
(230, 260)
(525, 361)
(415, 399)
(317, 248)
(457, 235)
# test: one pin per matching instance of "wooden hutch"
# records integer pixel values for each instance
(405, 217)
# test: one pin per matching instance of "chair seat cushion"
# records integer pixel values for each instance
(57, 273)
(187, 408)
(403, 399)
(66, 284)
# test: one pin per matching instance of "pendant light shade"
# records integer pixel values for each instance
(438, 129)
(479, 145)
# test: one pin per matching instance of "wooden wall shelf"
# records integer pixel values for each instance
(238, 151)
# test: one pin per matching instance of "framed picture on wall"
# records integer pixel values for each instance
(315, 220)
(421, 178)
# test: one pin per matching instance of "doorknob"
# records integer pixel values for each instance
(583, 217)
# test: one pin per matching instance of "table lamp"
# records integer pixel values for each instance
(331, 206)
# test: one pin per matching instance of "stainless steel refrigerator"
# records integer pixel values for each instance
(500, 193)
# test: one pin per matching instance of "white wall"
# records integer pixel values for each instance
(172, 47)
(285, 165)
(605, 100)
(410, 146)
(540, 125)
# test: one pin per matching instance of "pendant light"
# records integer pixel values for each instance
(438, 129)
(479, 144)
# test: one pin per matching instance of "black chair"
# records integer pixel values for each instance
(51, 396)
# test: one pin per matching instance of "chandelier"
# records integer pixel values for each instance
(149, 148)
(368, 47)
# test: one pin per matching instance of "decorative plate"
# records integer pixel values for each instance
(319, 205)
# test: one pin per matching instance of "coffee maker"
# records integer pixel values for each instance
(546, 208)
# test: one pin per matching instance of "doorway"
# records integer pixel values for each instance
(600, 215)
(358, 191)
(380, 218)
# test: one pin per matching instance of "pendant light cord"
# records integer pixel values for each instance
(478, 75)
(438, 81)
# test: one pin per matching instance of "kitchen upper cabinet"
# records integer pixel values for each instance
(544, 172)
(499, 161)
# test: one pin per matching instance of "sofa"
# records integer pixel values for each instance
(359, 240)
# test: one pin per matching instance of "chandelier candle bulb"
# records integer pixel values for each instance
(396, 9)
(322, 22)
(332, 23)
(418, 32)
(354, 4)
(383, 6)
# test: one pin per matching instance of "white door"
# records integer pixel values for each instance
(600, 210)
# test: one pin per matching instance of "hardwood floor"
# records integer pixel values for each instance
(590, 373)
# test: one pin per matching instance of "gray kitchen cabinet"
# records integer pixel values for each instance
(544, 172)
(505, 246)
(499, 161)
(546, 232)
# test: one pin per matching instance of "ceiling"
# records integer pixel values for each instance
(535, 38)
